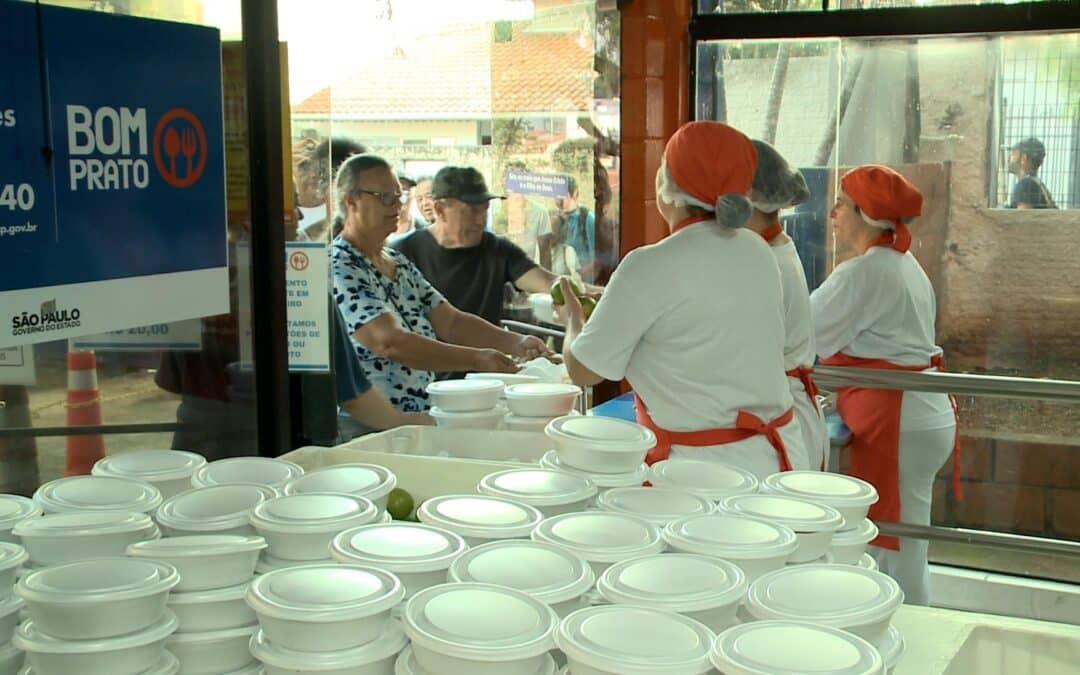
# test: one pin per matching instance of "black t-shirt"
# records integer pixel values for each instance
(472, 278)
(1029, 190)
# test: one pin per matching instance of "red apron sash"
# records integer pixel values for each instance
(873, 416)
(746, 425)
(771, 232)
(805, 375)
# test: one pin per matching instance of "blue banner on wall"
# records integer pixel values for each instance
(538, 184)
(112, 174)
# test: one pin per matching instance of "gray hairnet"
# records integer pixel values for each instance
(730, 210)
(776, 184)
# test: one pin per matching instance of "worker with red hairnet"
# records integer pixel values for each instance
(695, 322)
(877, 311)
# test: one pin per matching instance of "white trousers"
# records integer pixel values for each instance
(812, 422)
(922, 454)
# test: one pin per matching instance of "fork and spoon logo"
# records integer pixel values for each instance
(180, 148)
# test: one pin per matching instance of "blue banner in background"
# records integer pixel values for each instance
(538, 184)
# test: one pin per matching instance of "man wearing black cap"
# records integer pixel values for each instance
(1025, 158)
(463, 261)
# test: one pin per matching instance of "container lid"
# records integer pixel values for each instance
(731, 536)
(550, 460)
(366, 480)
(166, 665)
(439, 413)
(398, 547)
(800, 515)
(549, 573)
(535, 390)
(893, 647)
(150, 465)
(218, 507)
(201, 637)
(657, 505)
(28, 638)
(391, 641)
(261, 470)
(16, 508)
(505, 378)
(830, 595)
(613, 434)
(834, 489)
(471, 385)
(196, 546)
(712, 480)
(226, 594)
(793, 648)
(677, 582)
(313, 512)
(84, 524)
(480, 516)
(98, 580)
(633, 640)
(11, 556)
(599, 536)
(538, 487)
(406, 665)
(325, 592)
(481, 622)
(97, 493)
(862, 533)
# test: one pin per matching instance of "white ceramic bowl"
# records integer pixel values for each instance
(657, 505)
(214, 652)
(207, 561)
(324, 607)
(701, 587)
(13, 510)
(169, 471)
(374, 658)
(219, 509)
(602, 481)
(167, 665)
(842, 596)
(12, 556)
(551, 492)
(814, 524)
(542, 399)
(601, 538)
(131, 654)
(851, 496)
(465, 396)
(209, 611)
(360, 480)
(793, 646)
(549, 573)
(67, 537)
(756, 545)
(300, 527)
(480, 518)
(630, 640)
(479, 629)
(711, 480)
(9, 617)
(417, 554)
(79, 494)
(267, 471)
(11, 659)
(491, 418)
(95, 599)
(848, 546)
(600, 444)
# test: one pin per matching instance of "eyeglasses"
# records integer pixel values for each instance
(387, 198)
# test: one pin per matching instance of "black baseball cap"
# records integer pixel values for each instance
(1033, 148)
(463, 183)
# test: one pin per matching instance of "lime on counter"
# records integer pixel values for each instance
(399, 504)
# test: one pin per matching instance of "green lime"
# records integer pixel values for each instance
(399, 504)
(556, 291)
(587, 306)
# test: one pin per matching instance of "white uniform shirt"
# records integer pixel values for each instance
(880, 305)
(696, 324)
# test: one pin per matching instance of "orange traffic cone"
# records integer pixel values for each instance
(83, 409)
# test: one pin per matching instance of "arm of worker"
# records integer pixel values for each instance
(373, 410)
(461, 328)
(385, 337)
(844, 305)
(539, 280)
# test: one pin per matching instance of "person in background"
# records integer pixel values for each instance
(1025, 158)
(577, 226)
(877, 310)
(424, 205)
(777, 186)
(405, 223)
(523, 221)
(310, 200)
(401, 328)
(695, 322)
(325, 159)
(607, 229)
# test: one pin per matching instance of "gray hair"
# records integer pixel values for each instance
(729, 210)
(348, 180)
(776, 184)
(328, 157)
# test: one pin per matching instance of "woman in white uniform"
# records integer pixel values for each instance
(777, 186)
(877, 311)
(695, 322)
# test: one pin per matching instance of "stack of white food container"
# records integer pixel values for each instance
(480, 518)
(609, 452)
(327, 618)
(601, 538)
(299, 528)
(360, 480)
(813, 523)
(217, 509)
(69, 537)
(215, 623)
(708, 480)
(13, 510)
(533, 405)
(793, 647)
(82, 494)
(467, 404)
(169, 471)
(756, 545)
(602, 481)
(551, 492)
(106, 616)
(657, 505)
(274, 473)
(418, 554)
(12, 556)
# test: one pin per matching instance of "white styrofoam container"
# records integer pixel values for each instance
(551, 492)
(600, 444)
(167, 665)
(11, 659)
(210, 653)
(300, 527)
(465, 396)
(217, 509)
(657, 505)
(169, 471)
(79, 494)
(600, 537)
(603, 481)
(406, 665)
(849, 495)
(756, 545)
(12, 556)
(708, 479)
(786, 647)
(480, 518)
(417, 554)
(370, 481)
(542, 399)
(67, 537)
(215, 610)
(491, 418)
(814, 524)
(848, 546)
(13, 510)
(268, 471)
(131, 654)
(9, 617)
(375, 658)
(206, 561)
